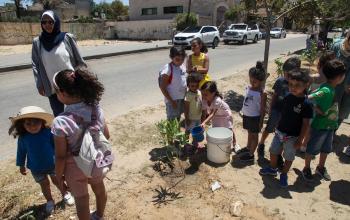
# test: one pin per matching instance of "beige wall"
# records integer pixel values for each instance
(143, 30)
(205, 8)
(23, 33)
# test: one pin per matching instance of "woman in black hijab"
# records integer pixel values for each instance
(53, 51)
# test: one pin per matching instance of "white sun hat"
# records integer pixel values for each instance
(33, 112)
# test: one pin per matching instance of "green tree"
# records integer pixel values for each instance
(233, 13)
(112, 10)
(184, 20)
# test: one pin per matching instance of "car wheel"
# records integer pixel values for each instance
(244, 41)
(215, 42)
(255, 39)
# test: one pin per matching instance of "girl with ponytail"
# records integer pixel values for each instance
(253, 110)
(81, 92)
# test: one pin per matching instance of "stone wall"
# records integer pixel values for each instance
(23, 33)
(143, 30)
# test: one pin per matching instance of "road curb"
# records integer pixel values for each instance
(98, 56)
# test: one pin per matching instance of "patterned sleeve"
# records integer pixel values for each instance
(64, 126)
(320, 94)
(100, 118)
(217, 103)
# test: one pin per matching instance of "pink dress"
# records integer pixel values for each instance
(223, 116)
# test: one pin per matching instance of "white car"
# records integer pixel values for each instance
(278, 32)
(208, 34)
(241, 33)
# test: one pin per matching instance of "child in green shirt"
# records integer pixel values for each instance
(325, 121)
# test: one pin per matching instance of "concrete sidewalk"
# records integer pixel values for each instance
(23, 61)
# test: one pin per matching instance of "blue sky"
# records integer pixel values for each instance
(124, 1)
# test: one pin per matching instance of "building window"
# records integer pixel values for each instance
(149, 11)
(173, 10)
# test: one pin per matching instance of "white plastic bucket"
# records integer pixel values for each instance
(219, 145)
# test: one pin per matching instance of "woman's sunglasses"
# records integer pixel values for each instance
(47, 22)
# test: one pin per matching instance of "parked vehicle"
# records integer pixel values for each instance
(278, 32)
(241, 33)
(208, 34)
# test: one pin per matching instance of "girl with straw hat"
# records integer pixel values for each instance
(35, 149)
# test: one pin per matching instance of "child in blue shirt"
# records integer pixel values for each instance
(36, 147)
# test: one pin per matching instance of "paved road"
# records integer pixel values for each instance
(131, 80)
(25, 58)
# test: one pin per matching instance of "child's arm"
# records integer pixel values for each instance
(303, 133)
(187, 110)
(60, 158)
(21, 157)
(106, 131)
(205, 69)
(316, 108)
(189, 65)
(262, 109)
(163, 87)
(210, 116)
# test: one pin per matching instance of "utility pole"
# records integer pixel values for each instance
(188, 11)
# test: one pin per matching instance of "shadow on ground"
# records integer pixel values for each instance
(339, 192)
(234, 100)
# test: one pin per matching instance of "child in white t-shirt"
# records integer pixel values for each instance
(253, 110)
(172, 83)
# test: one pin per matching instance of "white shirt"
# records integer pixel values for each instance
(55, 60)
(178, 86)
(252, 103)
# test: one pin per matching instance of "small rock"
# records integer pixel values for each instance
(236, 208)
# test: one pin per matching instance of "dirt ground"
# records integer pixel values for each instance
(27, 48)
(133, 182)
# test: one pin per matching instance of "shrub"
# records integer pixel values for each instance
(182, 22)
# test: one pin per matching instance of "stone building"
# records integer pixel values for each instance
(210, 12)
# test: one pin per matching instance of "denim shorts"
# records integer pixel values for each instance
(172, 113)
(282, 142)
(39, 177)
(273, 120)
(321, 141)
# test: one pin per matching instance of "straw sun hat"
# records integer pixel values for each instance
(33, 112)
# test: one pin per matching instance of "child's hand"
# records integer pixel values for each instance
(298, 144)
(174, 104)
(203, 125)
(23, 171)
(41, 91)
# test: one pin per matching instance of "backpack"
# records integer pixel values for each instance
(170, 76)
(95, 151)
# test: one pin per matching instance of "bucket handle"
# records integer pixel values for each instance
(223, 150)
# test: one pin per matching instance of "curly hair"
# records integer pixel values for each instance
(80, 83)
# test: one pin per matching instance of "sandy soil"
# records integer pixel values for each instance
(132, 182)
(27, 48)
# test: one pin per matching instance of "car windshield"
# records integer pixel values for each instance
(192, 29)
(239, 27)
(275, 29)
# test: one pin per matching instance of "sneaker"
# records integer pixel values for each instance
(246, 158)
(307, 174)
(236, 148)
(347, 151)
(280, 162)
(261, 150)
(94, 216)
(68, 199)
(323, 173)
(268, 171)
(50, 207)
(283, 180)
(243, 150)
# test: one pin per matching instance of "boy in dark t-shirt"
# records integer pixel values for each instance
(296, 114)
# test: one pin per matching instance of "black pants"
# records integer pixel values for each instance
(56, 106)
